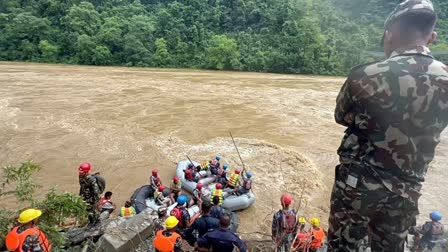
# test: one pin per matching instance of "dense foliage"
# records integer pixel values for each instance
(289, 36)
(56, 207)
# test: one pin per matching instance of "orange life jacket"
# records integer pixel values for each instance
(233, 181)
(15, 240)
(318, 237)
(165, 243)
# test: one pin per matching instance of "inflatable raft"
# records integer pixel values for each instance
(143, 198)
(231, 202)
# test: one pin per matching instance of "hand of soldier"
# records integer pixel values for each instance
(349, 118)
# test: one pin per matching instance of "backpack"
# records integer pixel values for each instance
(100, 181)
(289, 221)
(436, 229)
(176, 212)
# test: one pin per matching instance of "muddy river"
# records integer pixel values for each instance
(127, 121)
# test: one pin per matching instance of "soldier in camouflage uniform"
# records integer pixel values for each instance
(89, 191)
(394, 112)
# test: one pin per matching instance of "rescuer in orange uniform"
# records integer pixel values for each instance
(27, 236)
(168, 240)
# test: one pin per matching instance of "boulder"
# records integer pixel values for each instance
(129, 234)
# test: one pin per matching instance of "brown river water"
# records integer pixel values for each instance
(127, 121)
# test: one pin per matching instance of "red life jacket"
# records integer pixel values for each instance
(289, 221)
(189, 174)
(176, 212)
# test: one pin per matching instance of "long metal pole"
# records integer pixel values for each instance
(233, 140)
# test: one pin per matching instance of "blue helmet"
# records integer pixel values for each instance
(225, 166)
(181, 200)
(435, 216)
(218, 157)
(249, 174)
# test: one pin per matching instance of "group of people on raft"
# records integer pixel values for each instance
(289, 230)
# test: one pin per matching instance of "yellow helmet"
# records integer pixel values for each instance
(29, 215)
(315, 221)
(171, 222)
(302, 220)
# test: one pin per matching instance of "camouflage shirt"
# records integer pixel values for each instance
(399, 108)
(88, 189)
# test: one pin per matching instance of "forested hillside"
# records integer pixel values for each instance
(287, 36)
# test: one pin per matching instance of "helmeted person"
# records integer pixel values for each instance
(234, 179)
(247, 184)
(221, 239)
(431, 232)
(394, 111)
(175, 189)
(27, 236)
(89, 191)
(222, 175)
(181, 213)
(216, 211)
(159, 223)
(217, 191)
(168, 240)
(202, 225)
(197, 195)
(159, 198)
(215, 165)
(128, 210)
(155, 180)
(317, 235)
(284, 224)
(191, 174)
(303, 238)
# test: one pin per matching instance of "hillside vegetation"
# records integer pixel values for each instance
(290, 36)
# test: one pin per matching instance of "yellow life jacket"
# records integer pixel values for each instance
(127, 211)
(217, 192)
(233, 181)
(205, 165)
(176, 187)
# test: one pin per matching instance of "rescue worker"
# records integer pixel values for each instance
(428, 234)
(106, 210)
(222, 239)
(168, 240)
(217, 191)
(128, 210)
(317, 235)
(197, 195)
(222, 175)
(107, 198)
(89, 191)
(247, 185)
(284, 224)
(214, 165)
(216, 211)
(159, 198)
(27, 236)
(176, 189)
(234, 180)
(190, 173)
(202, 225)
(155, 180)
(394, 111)
(159, 223)
(181, 213)
(302, 240)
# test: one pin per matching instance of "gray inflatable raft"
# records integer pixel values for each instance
(231, 202)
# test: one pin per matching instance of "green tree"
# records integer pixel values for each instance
(101, 55)
(83, 19)
(222, 53)
(49, 52)
(85, 47)
(161, 56)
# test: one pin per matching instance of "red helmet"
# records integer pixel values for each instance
(155, 172)
(218, 186)
(84, 167)
(237, 171)
(161, 188)
(199, 186)
(286, 199)
(176, 179)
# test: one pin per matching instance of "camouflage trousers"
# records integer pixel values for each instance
(369, 210)
(94, 214)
